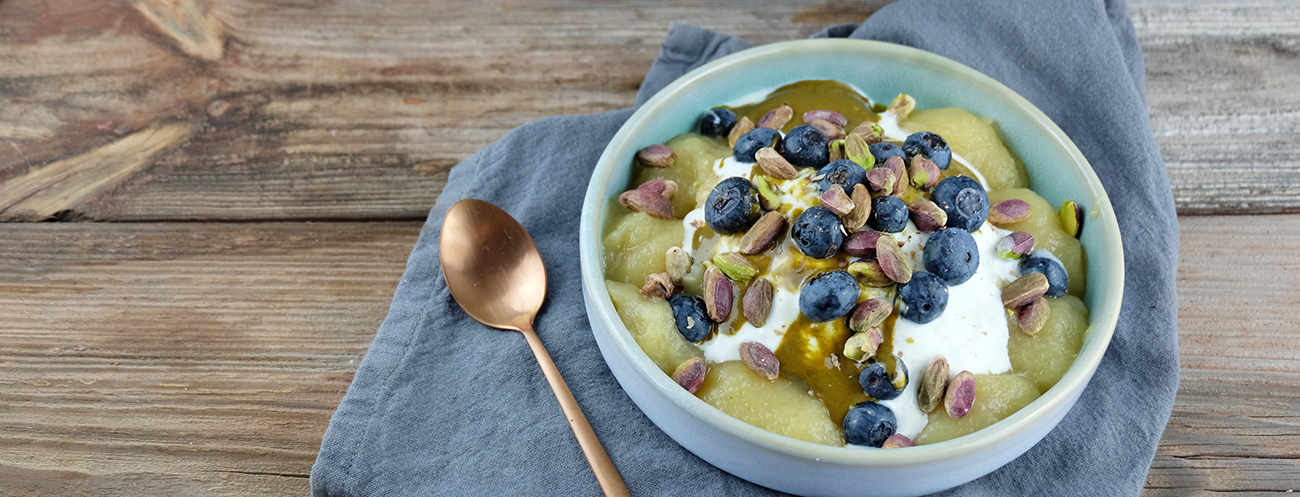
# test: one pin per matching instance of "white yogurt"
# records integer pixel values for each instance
(971, 333)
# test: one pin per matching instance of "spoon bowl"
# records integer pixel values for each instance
(496, 274)
(491, 265)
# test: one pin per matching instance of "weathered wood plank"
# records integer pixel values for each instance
(334, 110)
(1236, 421)
(122, 344)
(182, 359)
(345, 110)
(1223, 86)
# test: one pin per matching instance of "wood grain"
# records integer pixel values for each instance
(59, 186)
(344, 110)
(189, 22)
(182, 359)
(1222, 89)
(1236, 421)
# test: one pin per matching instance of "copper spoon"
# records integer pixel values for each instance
(496, 275)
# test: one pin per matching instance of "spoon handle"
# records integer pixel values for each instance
(610, 481)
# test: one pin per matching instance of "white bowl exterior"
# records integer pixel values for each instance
(801, 467)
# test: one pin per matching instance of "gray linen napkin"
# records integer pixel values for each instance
(442, 405)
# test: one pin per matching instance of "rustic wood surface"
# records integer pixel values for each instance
(166, 356)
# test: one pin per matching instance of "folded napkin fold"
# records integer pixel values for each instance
(442, 405)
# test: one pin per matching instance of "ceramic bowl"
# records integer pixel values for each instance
(1058, 172)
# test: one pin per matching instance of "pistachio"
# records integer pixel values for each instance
(853, 346)
(930, 393)
(1032, 316)
(743, 126)
(718, 294)
(825, 115)
(1071, 218)
(757, 303)
(658, 285)
(690, 374)
(776, 118)
(863, 345)
(893, 262)
(897, 441)
(857, 150)
(735, 266)
(960, 397)
(869, 314)
(924, 172)
(898, 375)
(857, 218)
(927, 216)
(836, 150)
(869, 273)
(648, 202)
(1023, 290)
(882, 180)
(663, 187)
(1015, 245)
(656, 155)
(902, 105)
(896, 165)
(861, 243)
(1012, 210)
(870, 132)
(775, 165)
(837, 201)
(763, 234)
(679, 263)
(768, 198)
(874, 338)
(831, 130)
(760, 360)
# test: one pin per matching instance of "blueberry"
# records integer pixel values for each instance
(806, 146)
(876, 381)
(750, 142)
(869, 424)
(828, 296)
(1042, 261)
(717, 122)
(964, 200)
(691, 316)
(883, 151)
(930, 146)
(818, 232)
(923, 298)
(732, 206)
(951, 254)
(888, 214)
(845, 173)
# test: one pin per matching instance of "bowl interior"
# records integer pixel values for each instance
(1057, 169)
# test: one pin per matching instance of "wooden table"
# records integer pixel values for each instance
(266, 167)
